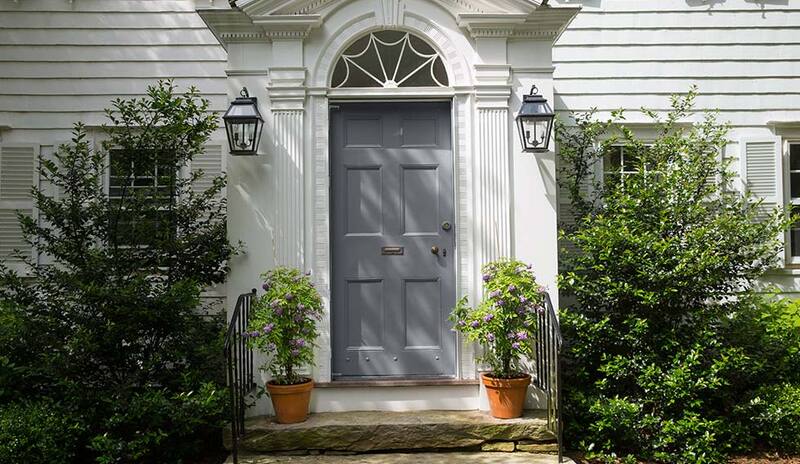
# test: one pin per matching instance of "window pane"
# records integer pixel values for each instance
(794, 233)
(795, 184)
(612, 160)
(794, 157)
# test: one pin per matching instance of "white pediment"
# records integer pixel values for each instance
(456, 7)
(260, 20)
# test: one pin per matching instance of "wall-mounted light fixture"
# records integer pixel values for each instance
(243, 124)
(535, 121)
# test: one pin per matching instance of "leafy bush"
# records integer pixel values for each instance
(505, 321)
(113, 328)
(283, 323)
(159, 426)
(660, 271)
(38, 431)
(774, 412)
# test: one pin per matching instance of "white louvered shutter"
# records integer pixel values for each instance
(17, 176)
(762, 173)
(210, 162)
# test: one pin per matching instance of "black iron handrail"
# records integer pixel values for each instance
(548, 369)
(239, 360)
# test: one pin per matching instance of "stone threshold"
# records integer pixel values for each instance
(381, 431)
(377, 382)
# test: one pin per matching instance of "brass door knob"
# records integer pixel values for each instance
(435, 250)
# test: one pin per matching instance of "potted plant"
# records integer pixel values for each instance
(505, 323)
(283, 325)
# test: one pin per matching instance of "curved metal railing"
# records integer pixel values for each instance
(548, 369)
(239, 360)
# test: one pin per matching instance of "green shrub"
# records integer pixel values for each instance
(663, 336)
(111, 330)
(37, 432)
(774, 412)
(159, 426)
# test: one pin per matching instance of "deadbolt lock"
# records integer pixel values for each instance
(446, 225)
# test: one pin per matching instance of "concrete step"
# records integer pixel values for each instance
(376, 431)
(407, 458)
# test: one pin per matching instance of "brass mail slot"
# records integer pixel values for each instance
(393, 250)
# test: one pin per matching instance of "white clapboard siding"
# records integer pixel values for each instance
(744, 57)
(17, 176)
(211, 163)
(63, 62)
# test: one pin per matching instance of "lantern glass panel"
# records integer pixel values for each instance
(535, 132)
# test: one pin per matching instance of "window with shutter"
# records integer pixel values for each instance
(153, 179)
(761, 172)
(17, 176)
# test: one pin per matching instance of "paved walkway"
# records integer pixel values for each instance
(413, 458)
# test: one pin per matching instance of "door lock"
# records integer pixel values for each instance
(435, 250)
(446, 225)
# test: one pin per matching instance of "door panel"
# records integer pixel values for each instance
(391, 190)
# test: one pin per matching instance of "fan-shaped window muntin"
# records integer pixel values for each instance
(389, 59)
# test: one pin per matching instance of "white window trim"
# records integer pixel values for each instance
(788, 201)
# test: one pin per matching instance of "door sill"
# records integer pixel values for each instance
(354, 382)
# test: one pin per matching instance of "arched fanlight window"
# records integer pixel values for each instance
(390, 59)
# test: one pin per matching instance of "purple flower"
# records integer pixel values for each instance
(275, 303)
(462, 323)
(299, 343)
(515, 345)
(488, 317)
(289, 297)
(301, 307)
(487, 277)
(522, 335)
(265, 287)
(523, 299)
(254, 334)
(295, 352)
(268, 328)
(501, 302)
(494, 294)
(490, 337)
(539, 309)
(474, 324)
(279, 311)
(272, 347)
(512, 287)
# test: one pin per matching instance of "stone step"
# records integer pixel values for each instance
(375, 431)
(405, 458)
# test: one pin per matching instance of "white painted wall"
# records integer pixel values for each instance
(64, 61)
(744, 56)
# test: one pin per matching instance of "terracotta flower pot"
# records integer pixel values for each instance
(506, 396)
(290, 401)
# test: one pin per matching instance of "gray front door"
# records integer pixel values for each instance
(392, 203)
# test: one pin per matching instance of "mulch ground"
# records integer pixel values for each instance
(758, 458)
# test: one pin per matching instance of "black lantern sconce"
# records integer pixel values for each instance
(535, 121)
(243, 124)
